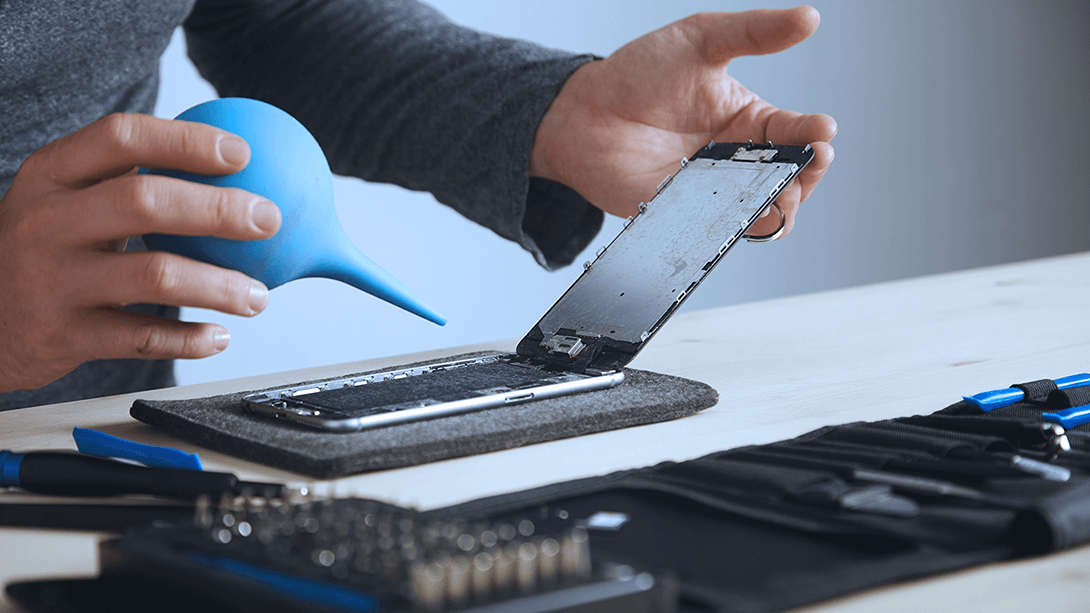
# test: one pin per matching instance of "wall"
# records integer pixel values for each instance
(959, 129)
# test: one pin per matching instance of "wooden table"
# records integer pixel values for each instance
(782, 368)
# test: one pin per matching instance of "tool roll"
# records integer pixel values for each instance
(843, 508)
(753, 529)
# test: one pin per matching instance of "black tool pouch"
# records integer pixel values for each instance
(837, 510)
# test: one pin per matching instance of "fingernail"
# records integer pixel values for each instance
(233, 150)
(259, 297)
(266, 216)
(221, 340)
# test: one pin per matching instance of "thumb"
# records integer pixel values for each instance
(725, 36)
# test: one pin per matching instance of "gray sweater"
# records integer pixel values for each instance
(392, 91)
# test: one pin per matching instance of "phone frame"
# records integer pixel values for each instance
(589, 335)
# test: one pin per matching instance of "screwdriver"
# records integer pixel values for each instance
(907, 483)
(1019, 433)
(808, 486)
(75, 474)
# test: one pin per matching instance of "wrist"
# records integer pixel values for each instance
(550, 157)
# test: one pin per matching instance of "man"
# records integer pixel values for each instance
(519, 138)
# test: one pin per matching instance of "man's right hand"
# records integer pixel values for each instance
(64, 282)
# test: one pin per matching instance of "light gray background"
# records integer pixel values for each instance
(963, 132)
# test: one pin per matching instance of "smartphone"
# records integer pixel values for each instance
(600, 323)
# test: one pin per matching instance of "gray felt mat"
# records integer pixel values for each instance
(220, 423)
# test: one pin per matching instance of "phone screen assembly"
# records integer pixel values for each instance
(600, 323)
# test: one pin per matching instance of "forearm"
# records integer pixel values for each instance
(396, 93)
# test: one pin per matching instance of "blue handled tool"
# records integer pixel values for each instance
(76, 474)
(1069, 418)
(292, 587)
(989, 401)
(288, 167)
(97, 443)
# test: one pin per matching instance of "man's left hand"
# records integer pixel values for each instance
(620, 125)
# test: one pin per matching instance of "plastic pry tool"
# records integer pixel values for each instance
(93, 442)
(994, 399)
(1069, 418)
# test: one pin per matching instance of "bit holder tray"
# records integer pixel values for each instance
(302, 554)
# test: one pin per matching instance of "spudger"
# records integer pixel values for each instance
(1069, 418)
(75, 474)
(994, 399)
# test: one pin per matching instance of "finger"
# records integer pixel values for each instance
(759, 121)
(116, 334)
(724, 36)
(142, 204)
(815, 170)
(796, 128)
(788, 201)
(116, 143)
(764, 122)
(158, 277)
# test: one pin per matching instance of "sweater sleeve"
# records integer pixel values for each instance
(395, 92)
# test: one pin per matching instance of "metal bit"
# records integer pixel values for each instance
(482, 576)
(323, 557)
(489, 539)
(458, 581)
(526, 528)
(506, 532)
(526, 568)
(548, 561)
(202, 517)
(575, 554)
(426, 587)
(466, 542)
(504, 565)
(1044, 470)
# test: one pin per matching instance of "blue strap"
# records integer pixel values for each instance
(9, 467)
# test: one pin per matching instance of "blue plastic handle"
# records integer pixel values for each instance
(321, 593)
(9, 467)
(93, 442)
(1069, 418)
(989, 401)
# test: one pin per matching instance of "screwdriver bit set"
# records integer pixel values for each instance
(299, 552)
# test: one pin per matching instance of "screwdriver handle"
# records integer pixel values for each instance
(69, 474)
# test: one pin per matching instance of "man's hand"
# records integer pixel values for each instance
(63, 280)
(620, 125)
